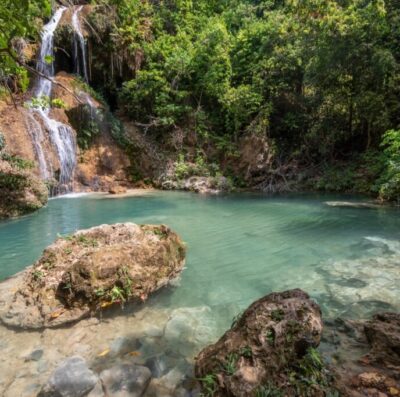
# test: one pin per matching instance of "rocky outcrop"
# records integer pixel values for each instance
(21, 192)
(269, 349)
(91, 270)
(200, 184)
(376, 373)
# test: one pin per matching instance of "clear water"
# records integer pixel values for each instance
(240, 247)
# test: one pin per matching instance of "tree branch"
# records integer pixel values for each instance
(8, 51)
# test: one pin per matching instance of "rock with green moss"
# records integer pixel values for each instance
(269, 351)
(21, 192)
(91, 270)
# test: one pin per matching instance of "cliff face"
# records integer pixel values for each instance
(100, 165)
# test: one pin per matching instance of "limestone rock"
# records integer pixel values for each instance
(72, 378)
(91, 270)
(265, 348)
(125, 380)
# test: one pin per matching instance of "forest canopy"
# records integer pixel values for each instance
(319, 78)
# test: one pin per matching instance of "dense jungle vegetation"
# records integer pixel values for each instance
(319, 78)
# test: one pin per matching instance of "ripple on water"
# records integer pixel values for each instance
(240, 248)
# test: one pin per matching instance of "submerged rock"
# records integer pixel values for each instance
(354, 204)
(21, 192)
(90, 270)
(269, 349)
(125, 380)
(190, 328)
(72, 378)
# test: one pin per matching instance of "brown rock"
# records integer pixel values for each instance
(383, 334)
(117, 189)
(265, 348)
(91, 270)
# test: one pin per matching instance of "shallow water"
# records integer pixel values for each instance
(240, 248)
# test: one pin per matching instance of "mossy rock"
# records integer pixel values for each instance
(91, 270)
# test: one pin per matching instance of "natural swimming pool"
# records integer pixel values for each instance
(240, 247)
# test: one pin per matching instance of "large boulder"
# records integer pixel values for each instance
(91, 270)
(270, 349)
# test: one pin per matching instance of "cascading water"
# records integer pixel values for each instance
(36, 132)
(79, 46)
(61, 135)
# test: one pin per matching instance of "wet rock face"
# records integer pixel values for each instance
(91, 270)
(377, 372)
(383, 335)
(262, 351)
(21, 192)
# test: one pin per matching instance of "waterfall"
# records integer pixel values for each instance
(45, 63)
(36, 132)
(61, 135)
(79, 46)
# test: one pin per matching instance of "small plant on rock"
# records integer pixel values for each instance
(37, 275)
(209, 385)
(117, 294)
(230, 365)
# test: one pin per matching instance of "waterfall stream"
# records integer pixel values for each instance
(61, 135)
(79, 46)
(36, 133)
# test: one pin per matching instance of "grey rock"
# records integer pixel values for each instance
(72, 378)
(125, 380)
(123, 345)
(35, 355)
(157, 366)
(97, 391)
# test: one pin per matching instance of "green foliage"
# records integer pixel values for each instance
(44, 102)
(58, 103)
(185, 169)
(229, 367)
(361, 175)
(117, 294)
(310, 373)
(269, 391)
(320, 79)
(37, 275)
(16, 161)
(209, 385)
(390, 178)
(19, 19)
(2, 142)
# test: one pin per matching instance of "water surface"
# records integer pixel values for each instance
(240, 247)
